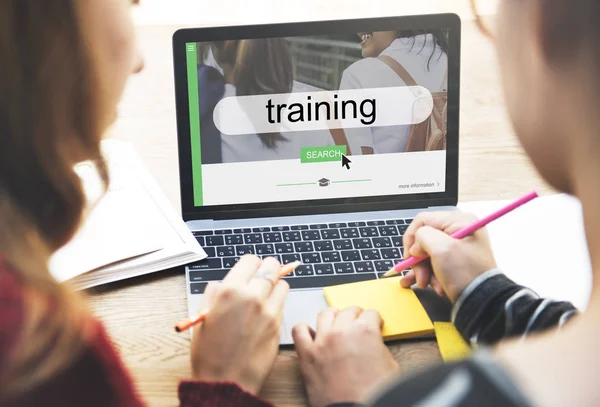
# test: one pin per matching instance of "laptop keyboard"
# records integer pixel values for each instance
(334, 253)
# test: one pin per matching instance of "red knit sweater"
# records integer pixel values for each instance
(97, 378)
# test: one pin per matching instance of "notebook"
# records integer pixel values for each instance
(130, 231)
(402, 313)
(451, 344)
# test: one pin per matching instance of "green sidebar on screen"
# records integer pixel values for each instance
(192, 76)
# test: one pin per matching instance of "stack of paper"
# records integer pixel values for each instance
(132, 230)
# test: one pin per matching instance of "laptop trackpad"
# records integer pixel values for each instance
(301, 307)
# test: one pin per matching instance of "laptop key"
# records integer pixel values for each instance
(375, 223)
(383, 265)
(223, 251)
(364, 267)
(208, 275)
(391, 254)
(229, 262)
(253, 238)
(304, 270)
(210, 251)
(326, 281)
(203, 233)
(350, 255)
(244, 249)
(343, 268)
(397, 241)
(302, 247)
(323, 245)
(369, 232)
(299, 227)
(215, 241)
(280, 228)
(291, 236)
(206, 264)
(223, 232)
(311, 258)
(319, 226)
(198, 288)
(243, 230)
(311, 235)
(273, 237)
(382, 242)
(331, 257)
(261, 230)
(395, 222)
(200, 240)
(290, 258)
(344, 244)
(362, 243)
(388, 231)
(408, 221)
(284, 248)
(337, 225)
(264, 249)
(234, 239)
(402, 228)
(356, 224)
(372, 254)
(330, 234)
(349, 233)
(323, 269)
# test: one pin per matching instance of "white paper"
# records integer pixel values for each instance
(542, 245)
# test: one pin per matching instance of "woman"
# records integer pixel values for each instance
(64, 66)
(422, 54)
(261, 67)
(546, 48)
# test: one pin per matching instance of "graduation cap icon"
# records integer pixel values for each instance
(324, 182)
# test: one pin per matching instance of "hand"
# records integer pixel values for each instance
(453, 263)
(239, 339)
(346, 357)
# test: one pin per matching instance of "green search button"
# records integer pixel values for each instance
(321, 154)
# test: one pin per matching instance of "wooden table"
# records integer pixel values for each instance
(140, 313)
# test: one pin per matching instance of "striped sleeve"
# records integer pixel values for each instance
(493, 308)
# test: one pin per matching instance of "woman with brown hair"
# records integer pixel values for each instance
(533, 351)
(64, 64)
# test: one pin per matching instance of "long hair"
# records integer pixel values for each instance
(260, 66)
(49, 121)
(440, 40)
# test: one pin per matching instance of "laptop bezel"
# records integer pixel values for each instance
(319, 206)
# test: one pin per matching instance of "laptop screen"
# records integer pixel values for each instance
(318, 117)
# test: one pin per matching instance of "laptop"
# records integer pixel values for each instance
(295, 142)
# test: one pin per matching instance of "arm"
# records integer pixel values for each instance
(493, 307)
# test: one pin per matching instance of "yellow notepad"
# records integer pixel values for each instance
(402, 313)
(451, 343)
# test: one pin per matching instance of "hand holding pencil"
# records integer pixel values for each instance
(239, 337)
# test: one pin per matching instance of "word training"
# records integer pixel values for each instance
(319, 110)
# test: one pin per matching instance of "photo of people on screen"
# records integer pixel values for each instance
(366, 60)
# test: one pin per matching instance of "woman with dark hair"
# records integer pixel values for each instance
(391, 59)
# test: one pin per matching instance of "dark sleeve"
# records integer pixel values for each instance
(202, 394)
(493, 307)
(471, 383)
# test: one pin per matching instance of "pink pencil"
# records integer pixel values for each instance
(411, 261)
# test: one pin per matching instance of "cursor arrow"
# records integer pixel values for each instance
(345, 162)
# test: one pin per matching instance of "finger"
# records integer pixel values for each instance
(276, 300)
(325, 320)
(302, 339)
(209, 295)
(265, 279)
(347, 316)
(372, 317)
(408, 280)
(447, 221)
(243, 270)
(433, 241)
(422, 275)
(437, 286)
